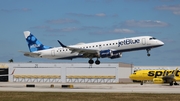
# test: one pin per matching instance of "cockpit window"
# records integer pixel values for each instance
(153, 38)
(134, 73)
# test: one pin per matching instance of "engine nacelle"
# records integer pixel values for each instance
(117, 55)
(105, 53)
(158, 81)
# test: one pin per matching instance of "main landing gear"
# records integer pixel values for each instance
(175, 83)
(97, 62)
(148, 54)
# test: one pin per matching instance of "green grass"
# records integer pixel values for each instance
(61, 96)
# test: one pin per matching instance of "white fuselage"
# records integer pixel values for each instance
(117, 46)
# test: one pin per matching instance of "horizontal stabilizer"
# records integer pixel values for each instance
(30, 54)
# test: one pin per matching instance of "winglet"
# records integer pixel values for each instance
(61, 44)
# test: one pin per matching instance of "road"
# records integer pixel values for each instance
(100, 88)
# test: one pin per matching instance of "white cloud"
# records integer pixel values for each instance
(25, 9)
(175, 9)
(171, 7)
(68, 29)
(61, 21)
(41, 27)
(15, 10)
(114, 31)
(167, 0)
(88, 15)
(144, 23)
(100, 15)
(125, 31)
(176, 12)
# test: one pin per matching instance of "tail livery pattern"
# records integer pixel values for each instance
(33, 43)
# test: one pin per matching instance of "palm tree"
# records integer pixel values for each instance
(11, 60)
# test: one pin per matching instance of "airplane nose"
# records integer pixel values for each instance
(131, 76)
(160, 42)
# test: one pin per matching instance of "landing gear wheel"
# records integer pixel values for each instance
(90, 61)
(171, 83)
(141, 82)
(176, 83)
(148, 54)
(97, 62)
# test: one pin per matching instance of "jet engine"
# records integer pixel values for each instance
(117, 55)
(105, 53)
(109, 53)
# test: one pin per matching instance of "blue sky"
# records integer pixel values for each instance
(74, 21)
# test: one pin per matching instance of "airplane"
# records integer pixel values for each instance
(157, 76)
(104, 49)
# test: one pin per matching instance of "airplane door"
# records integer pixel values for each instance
(53, 53)
(143, 41)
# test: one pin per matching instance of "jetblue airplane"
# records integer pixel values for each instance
(104, 49)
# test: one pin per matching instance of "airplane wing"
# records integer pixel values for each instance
(30, 54)
(170, 77)
(85, 52)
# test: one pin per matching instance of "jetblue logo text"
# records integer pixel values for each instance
(34, 46)
(128, 42)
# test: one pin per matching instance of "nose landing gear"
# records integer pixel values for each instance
(148, 54)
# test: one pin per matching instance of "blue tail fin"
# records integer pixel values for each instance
(33, 43)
